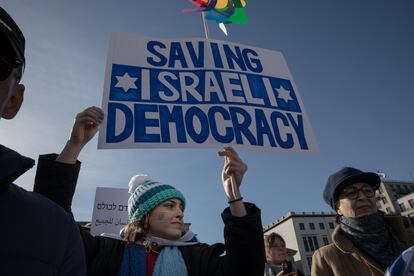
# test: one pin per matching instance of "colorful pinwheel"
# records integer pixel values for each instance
(222, 11)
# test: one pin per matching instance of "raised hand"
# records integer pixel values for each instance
(86, 125)
(83, 130)
(233, 166)
(232, 175)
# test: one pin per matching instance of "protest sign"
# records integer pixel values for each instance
(181, 93)
(110, 211)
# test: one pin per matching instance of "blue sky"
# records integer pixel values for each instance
(352, 61)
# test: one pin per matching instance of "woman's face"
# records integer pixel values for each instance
(166, 220)
(277, 252)
(357, 200)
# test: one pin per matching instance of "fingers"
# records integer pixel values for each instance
(230, 153)
(87, 120)
(230, 168)
(233, 165)
(91, 115)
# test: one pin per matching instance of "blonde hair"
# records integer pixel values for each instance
(136, 230)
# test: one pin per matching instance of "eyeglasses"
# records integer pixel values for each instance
(353, 193)
(7, 65)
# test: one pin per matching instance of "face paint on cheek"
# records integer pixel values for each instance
(161, 217)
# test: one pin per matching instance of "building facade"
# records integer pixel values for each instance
(397, 198)
(304, 232)
(389, 192)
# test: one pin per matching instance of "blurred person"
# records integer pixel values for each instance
(277, 262)
(403, 265)
(37, 237)
(365, 241)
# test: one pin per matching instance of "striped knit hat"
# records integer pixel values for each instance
(146, 194)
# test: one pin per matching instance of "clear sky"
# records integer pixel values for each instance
(352, 61)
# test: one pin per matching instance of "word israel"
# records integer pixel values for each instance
(201, 93)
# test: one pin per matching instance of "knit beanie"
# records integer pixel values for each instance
(146, 194)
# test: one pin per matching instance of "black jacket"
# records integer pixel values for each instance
(37, 237)
(244, 246)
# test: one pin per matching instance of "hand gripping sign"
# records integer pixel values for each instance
(186, 93)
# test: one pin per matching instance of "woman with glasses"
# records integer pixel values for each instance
(365, 242)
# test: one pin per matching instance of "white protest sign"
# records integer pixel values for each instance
(181, 93)
(110, 211)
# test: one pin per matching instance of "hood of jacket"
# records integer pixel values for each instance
(12, 165)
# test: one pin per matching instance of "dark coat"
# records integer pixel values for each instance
(37, 237)
(243, 255)
(244, 246)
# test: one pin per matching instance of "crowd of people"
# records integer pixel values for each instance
(42, 238)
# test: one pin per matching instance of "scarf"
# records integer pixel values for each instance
(372, 235)
(272, 269)
(169, 262)
(189, 238)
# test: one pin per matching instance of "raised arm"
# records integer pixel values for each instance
(84, 129)
(243, 231)
(232, 175)
(56, 175)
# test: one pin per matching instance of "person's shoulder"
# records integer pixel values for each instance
(203, 248)
(36, 204)
(326, 250)
(21, 194)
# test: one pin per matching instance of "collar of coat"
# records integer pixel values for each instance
(346, 245)
(12, 166)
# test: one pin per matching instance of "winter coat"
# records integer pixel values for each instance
(244, 246)
(342, 257)
(37, 237)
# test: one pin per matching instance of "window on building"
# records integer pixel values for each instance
(325, 240)
(388, 210)
(301, 226)
(331, 225)
(315, 242)
(402, 206)
(411, 203)
(312, 226)
(305, 243)
(309, 260)
(384, 200)
(321, 226)
(310, 242)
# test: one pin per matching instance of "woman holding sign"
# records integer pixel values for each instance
(154, 242)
